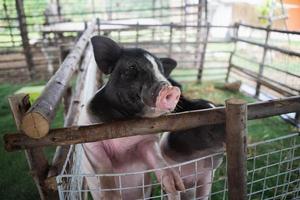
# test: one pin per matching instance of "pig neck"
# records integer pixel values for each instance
(103, 110)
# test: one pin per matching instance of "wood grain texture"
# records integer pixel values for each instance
(37, 161)
(36, 122)
(171, 122)
(236, 148)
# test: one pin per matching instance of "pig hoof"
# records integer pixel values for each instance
(171, 181)
(114, 195)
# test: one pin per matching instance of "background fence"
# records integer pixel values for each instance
(28, 50)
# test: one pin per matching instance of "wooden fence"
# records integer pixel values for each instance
(32, 121)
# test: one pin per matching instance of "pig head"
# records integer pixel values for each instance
(136, 87)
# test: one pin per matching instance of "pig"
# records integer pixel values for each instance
(136, 87)
(182, 146)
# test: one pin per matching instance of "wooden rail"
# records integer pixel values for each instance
(272, 30)
(182, 121)
(263, 80)
(36, 122)
(271, 47)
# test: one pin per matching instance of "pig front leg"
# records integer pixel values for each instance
(96, 161)
(169, 178)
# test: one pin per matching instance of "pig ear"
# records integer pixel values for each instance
(106, 53)
(169, 64)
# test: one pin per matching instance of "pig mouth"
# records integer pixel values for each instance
(152, 112)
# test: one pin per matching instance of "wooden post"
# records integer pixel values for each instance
(205, 10)
(236, 148)
(198, 51)
(38, 164)
(136, 34)
(98, 25)
(36, 122)
(236, 34)
(199, 14)
(93, 8)
(7, 18)
(67, 100)
(261, 65)
(153, 16)
(109, 12)
(170, 40)
(161, 10)
(24, 36)
(202, 57)
(58, 10)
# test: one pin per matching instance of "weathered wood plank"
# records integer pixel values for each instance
(236, 148)
(71, 116)
(37, 161)
(172, 122)
(36, 122)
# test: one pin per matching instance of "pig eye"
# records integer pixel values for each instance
(132, 68)
(130, 72)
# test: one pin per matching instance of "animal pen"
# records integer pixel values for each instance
(258, 56)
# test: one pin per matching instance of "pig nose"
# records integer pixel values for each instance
(168, 98)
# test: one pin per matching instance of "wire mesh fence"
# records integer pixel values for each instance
(273, 172)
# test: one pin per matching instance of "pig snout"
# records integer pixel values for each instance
(167, 98)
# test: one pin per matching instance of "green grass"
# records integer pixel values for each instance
(15, 179)
(258, 130)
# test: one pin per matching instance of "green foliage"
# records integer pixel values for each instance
(264, 11)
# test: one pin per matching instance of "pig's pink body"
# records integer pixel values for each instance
(125, 157)
(197, 186)
(121, 155)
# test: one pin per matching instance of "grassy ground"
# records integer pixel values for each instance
(15, 179)
(257, 129)
(16, 183)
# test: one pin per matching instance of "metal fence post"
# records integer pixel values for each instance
(236, 148)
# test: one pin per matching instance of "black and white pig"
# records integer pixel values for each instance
(181, 146)
(137, 87)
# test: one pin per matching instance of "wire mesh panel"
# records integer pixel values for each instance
(273, 172)
(274, 169)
